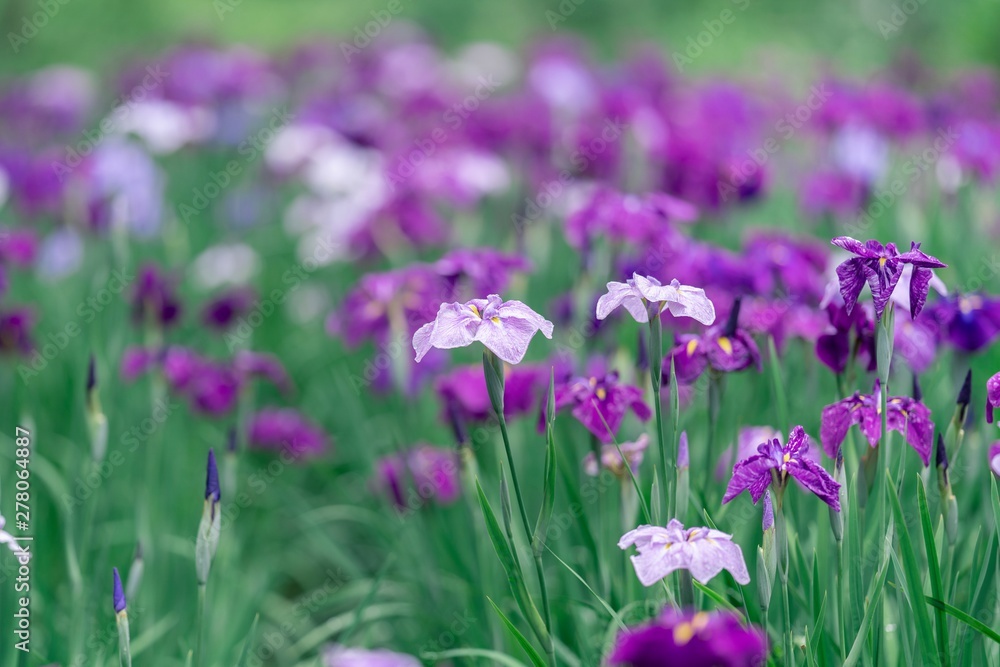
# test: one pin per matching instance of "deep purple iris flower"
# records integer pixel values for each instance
(628, 218)
(754, 474)
(793, 265)
(288, 430)
(692, 639)
(597, 399)
(154, 298)
(881, 266)
(486, 270)
(726, 348)
(992, 396)
(969, 322)
(850, 334)
(420, 474)
(222, 311)
(15, 331)
(906, 415)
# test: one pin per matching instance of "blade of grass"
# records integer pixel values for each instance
(874, 593)
(912, 574)
(604, 604)
(522, 641)
(248, 644)
(935, 572)
(973, 623)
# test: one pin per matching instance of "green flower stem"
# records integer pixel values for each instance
(200, 629)
(783, 562)
(667, 480)
(124, 649)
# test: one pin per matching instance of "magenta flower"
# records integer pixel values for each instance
(288, 430)
(599, 399)
(691, 639)
(638, 292)
(504, 327)
(413, 477)
(702, 551)
(754, 474)
(881, 266)
(464, 392)
(612, 460)
(992, 396)
(906, 415)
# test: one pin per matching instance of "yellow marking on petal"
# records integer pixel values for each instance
(475, 311)
(683, 634)
(495, 319)
(700, 621)
(692, 346)
(602, 393)
(786, 458)
(726, 345)
(881, 262)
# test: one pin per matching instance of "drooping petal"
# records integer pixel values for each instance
(816, 479)
(852, 280)
(753, 474)
(691, 302)
(851, 245)
(919, 285)
(455, 326)
(622, 294)
(920, 259)
(508, 338)
(517, 309)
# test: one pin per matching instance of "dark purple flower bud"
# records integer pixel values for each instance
(119, 593)
(231, 441)
(222, 311)
(965, 394)
(941, 454)
(91, 375)
(212, 491)
(917, 392)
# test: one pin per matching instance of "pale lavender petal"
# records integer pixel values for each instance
(622, 294)
(508, 338)
(692, 302)
(655, 564)
(454, 326)
(516, 309)
(643, 536)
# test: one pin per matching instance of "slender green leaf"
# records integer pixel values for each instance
(522, 641)
(973, 623)
(248, 643)
(603, 602)
(874, 593)
(912, 575)
(935, 572)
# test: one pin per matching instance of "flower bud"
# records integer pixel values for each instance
(97, 423)
(210, 527)
(764, 581)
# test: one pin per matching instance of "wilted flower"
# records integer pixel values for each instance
(285, 429)
(599, 401)
(341, 656)
(692, 639)
(754, 474)
(638, 292)
(906, 415)
(504, 327)
(992, 396)
(612, 460)
(702, 551)
(881, 266)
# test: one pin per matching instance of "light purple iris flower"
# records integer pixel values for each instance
(881, 267)
(994, 458)
(992, 396)
(504, 327)
(638, 291)
(754, 474)
(702, 551)
(341, 656)
(906, 415)
(612, 460)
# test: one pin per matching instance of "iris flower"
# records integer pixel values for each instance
(725, 348)
(341, 656)
(774, 463)
(905, 415)
(702, 551)
(994, 458)
(968, 322)
(881, 266)
(693, 639)
(504, 327)
(992, 396)
(612, 460)
(600, 402)
(638, 291)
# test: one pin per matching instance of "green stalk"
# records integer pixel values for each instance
(782, 529)
(714, 407)
(124, 650)
(200, 630)
(655, 369)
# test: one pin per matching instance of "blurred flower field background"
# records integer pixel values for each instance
(271, 275)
